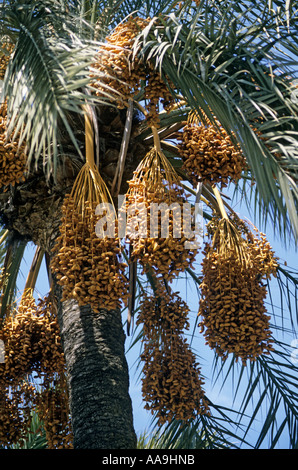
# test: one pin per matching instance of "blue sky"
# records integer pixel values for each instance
(142, 418)
(213, 390)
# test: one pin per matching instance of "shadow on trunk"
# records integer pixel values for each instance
(98, 379)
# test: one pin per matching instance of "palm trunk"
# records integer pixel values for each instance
(93, 343)
(98, 380)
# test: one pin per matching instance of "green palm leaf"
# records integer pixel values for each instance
(233, 60)
(14, 248)
(46, 78)
(220, 72)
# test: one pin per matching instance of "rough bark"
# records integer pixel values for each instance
(98, 378)
(97, 371)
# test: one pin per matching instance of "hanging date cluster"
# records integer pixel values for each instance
(232, 309)
(172, 384)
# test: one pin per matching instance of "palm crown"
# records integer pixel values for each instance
(101, 102)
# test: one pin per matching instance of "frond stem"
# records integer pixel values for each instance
(123, 150)
(220, 203)
(34, 269)
(89, 139)
(156, 139)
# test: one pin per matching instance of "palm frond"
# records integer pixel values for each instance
(14, 252)
(178, 436)
(4, 235)
(276, 377)
(287, 286)
(46, 77)
(218, 71)
(36, 437)
(218, 431)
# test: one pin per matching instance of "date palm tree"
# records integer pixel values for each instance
(230, 66)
